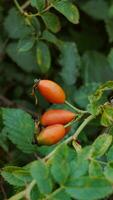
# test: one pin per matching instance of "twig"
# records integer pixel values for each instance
(2, 190)
(81, 127)
(25, 5)
(9, 103)
(18, 7)
(28, 190)
(37, 157)
(6, 101)
(31, 185)
(74, 108)
(20, 195)
(73, 137)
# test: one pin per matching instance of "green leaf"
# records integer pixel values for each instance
(109, 28)
(107, 115)
(110, 154)
(59, 163)
(79, 167)
(43, 57)
(50, 37)
(96, 67)
(20, 128)
(39, 4)
(95, 169)
(81, 95)
(110, 58)
(16, 25)
(1, 120)
(96, 99)
(92, 188)
(101, 145)
(108, 171)
(16, 176)
(111, 10)
(40, 173)
(35, 193)
(4, 140)
(109, 130)
(85, 154)
(25, 60)
(93, 8)
(68, 9)
(59, 194)
(51, 21)
(70, 62)
(25, 44)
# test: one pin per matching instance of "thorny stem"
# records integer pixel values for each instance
(74, 108)
(31, 185)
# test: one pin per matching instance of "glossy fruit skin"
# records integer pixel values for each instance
(51, 135)
(51, 117)
(51, 91)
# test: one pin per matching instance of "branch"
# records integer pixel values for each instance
(81, 127)
(76, 109)
(31, 185)
(21, 9)
(8, 103)
(28, 190)
(2, 189)
(18, 7)
(25, 5)
(18, 196)
(73, 137)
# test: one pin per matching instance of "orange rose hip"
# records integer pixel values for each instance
(51, 135)
(51, 117)
(51, 91)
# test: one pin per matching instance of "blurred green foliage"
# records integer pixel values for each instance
(70, 42)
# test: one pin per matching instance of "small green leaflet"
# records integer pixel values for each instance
(95, 99)
(101, 145)
(16, 176)
(25, 44)
(108, 171)
(39, 4)
(68, 9)
(85, 188)
(43, 57)
(40, 172)
(107, 115)
(70, 62)
(20, 129)
(51, 21)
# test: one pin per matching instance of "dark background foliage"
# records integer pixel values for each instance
(72, 46)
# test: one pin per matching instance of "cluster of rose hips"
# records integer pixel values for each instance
(54, 121)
